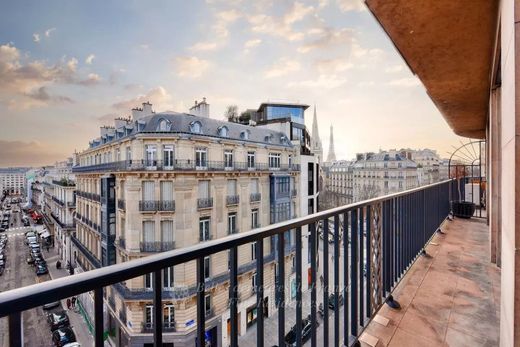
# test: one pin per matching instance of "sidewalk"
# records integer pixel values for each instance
(76, 319)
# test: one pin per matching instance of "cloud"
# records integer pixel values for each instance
(281, 26)
(49, 31)
(252, 43)
(405, 82)
(89, 59)
(107, 119)
(158, 96)
(323, 82)
(91, 80)
(325, 66)
(220, 31)
(36, 37)
(351, 5)
(204, 46)
(191, 67)
(33, 153)
(42, 94)
(327, 38)
(282, 67)
(394, 69)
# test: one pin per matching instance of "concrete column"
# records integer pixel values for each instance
(494, 171)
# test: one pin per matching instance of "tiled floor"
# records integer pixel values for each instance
(449, 298)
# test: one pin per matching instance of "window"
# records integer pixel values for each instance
(254, 185)
(253, 251)
(232, 187)
(168, 316)
(168, 282)
(118, 154)
(167, 232)
(274, 160)
(254, 219)
(196, 127)
(223, 131)
(207, 262)
(250, 160)
(207, 303)
(166, 190)
(232, 223)
(204, 230)
(128, 153)
(204, 189)
(164, 125)
(253, 282)
(228, 159)
(148, 315)
(151, 155)
(290, 160)
(400, 184)
(148, 282)
(148, 231)
(168, 156)
(244, 135)
(201, 158)
(148, 190)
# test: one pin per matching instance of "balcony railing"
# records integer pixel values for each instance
(387, 234)
(61, 224)
(167, 205)
(254, 197)
(148, 205)
(157, 246)
(122, 242)
(204, 203)
(294, 192)
(58, 201)
(180, 165)
(149, 327)
(232, 200)
(121, 204)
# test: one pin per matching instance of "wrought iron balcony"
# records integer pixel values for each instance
(167, 205)
(121, 204)
(232, 200)
(204, 203)
(58, 201)
(148, 328)
(148, 205)
(122, 242)
(386, 235)
(157, 246)
(255, 197)
(294, 192)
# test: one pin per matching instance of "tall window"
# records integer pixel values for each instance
(168, 156)
(290, 160)
(204, 231)
(128, 153)
(118, 154)
(207, 262)
(204, 189)
(253, 251)
(228, 159)
(250, 160)
(148, 282)
(254, 219)
(169, 315)
(148, 315)
(232, 187)
(148, 231)
(232, 223)
(274, 160)
(148, 190)
(167, 235)
(201, 158)
(151, 155)
(254, 186)
(168, 282)
(207, 303)
(166, 191)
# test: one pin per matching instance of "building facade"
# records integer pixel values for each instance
(13, 181)
(160, 181)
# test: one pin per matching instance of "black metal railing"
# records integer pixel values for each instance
(90, 196)
(254, 197)
(58, 201)
(148, 205)
(387, 234)
(62, 224)
(204, 203)
(122, 242)
(64, 183)
(232, 200)
(148, 327)
(179, 165)
(167, 205)
(157, 246)
(121, 204)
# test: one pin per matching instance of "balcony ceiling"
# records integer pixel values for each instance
(449, 46)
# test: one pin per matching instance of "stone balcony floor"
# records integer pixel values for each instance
(449, 298)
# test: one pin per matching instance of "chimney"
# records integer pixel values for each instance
(104, 130)
(138, 113)
(120, 122)
(147, 108)
(200, 109)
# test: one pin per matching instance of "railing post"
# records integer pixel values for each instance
(201, 313)
(298, 286)
(16, 330)
(233, 296)
(336, 280)
(98, 317)
(325, 281)
(157, 309)
(281, 289)
(314, 326)
(259, 293)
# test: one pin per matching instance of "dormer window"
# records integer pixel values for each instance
(223, 131)
(284, 140)
(268, 138)
(244, 135)
(164, 125)
(196, 127)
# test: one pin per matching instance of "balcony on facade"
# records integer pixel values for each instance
(94, 261)
(121, 204)
(89, 196)
(255, 197)
(232, 200)
(156, 246)
(203, 203)
(58, 201)
(64, 183)
(157, 205)
(63, 225)
(88, 223)
(386, 236)
(148, 328)
(181, 165)
(122, 242)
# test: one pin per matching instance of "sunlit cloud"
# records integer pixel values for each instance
(89, 59)
(282, 67)
(191, 67)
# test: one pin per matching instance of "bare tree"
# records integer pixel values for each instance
(369, 191)
(231, 113)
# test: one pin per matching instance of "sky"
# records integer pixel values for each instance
(68, 67)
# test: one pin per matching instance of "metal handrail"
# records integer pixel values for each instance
(14, 301)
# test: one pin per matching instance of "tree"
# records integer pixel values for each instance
(369, 191)
(232, 113)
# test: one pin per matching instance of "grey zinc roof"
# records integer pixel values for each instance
(181, 123)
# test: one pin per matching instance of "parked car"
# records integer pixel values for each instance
(58, 320)
(41, 270)
(290, 338)
(3, 237)
(72, 344)
(2, 263)
(63, 336)
(30, 259)
(51, 305)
